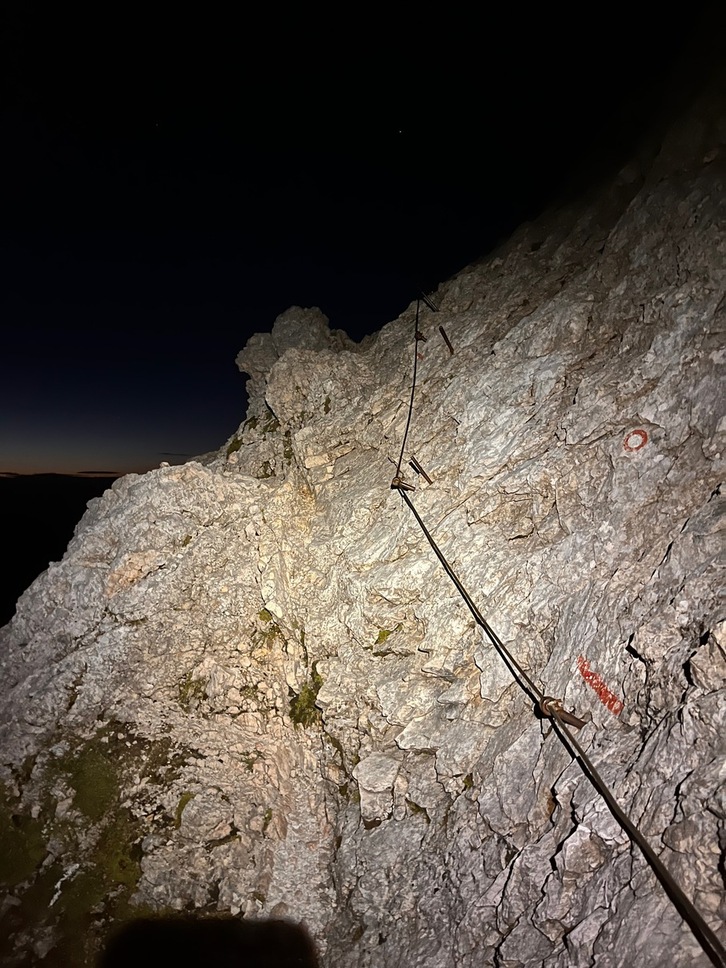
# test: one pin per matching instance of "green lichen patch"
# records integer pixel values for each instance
(417, 810)
(87, 901)
(92, 773)
(118, 851)
(303, 711)
(383, 634)
(264, 615)
(191, 692)
(22, 844)
(71, 894)
(96, 767)
(29, 911)
(184, 799)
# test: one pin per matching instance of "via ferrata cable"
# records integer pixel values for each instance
(554, 710)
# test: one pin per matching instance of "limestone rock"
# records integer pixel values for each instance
(250, 687)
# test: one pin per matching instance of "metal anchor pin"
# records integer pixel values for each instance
(429, 302)
(446, 339)
(551, 707)
(398, 484)
(419, 470)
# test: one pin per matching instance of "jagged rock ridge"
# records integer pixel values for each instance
(249, 687)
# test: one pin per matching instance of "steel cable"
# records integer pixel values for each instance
(413, 391)
(552, 708)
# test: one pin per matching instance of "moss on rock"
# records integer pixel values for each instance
(22, 844)
(72, 873)
(303, 711)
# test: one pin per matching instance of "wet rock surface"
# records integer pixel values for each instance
(250, 688)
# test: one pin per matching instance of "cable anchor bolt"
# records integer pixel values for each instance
(553, 709)
(398, 484)
(419, 470)
(446, 339)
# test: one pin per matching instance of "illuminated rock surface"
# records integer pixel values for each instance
(250, 687)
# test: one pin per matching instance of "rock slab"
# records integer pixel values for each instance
(249, 687)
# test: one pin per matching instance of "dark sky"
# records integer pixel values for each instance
(170, 186)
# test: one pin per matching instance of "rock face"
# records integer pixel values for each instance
(250, 687)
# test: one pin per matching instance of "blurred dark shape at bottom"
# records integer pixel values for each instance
(211, 942)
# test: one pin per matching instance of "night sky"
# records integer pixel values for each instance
(170, 186)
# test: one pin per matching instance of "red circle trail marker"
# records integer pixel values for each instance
(635, 440)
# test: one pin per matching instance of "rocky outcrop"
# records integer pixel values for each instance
(249, 686)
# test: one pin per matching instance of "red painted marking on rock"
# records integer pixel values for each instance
(599, 687)
(635, 440)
